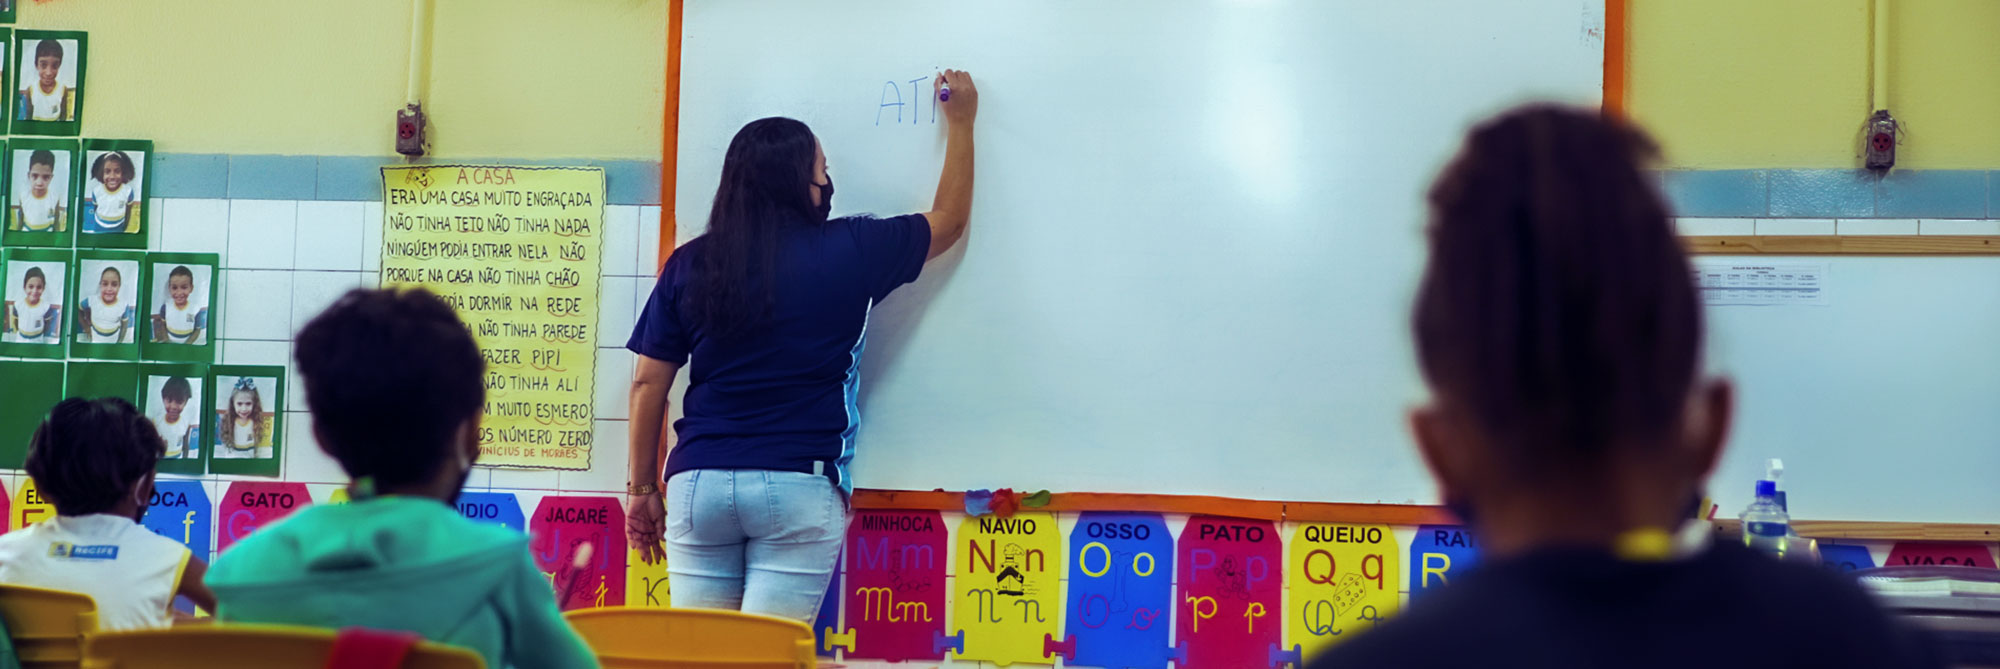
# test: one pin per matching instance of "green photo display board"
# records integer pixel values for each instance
(181, 314)
(49, 81)
(176, 397)
(7, 59)
(249, 419)
(105, 317)
(113, 208)
(36, 309)
(42, 178)
(31, 388)
(99, 380)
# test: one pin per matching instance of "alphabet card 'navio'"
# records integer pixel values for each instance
(1008, 593)
(1343, 579)
(1230, 588)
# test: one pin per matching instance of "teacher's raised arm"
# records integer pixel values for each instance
(768, 309)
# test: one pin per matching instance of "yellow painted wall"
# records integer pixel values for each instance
(508, 78)
(1784, 83)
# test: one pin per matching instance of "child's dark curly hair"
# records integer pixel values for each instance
(88, 454)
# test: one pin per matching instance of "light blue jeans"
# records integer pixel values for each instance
(754, 540)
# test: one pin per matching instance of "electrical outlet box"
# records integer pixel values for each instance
(410, 129)
(1879, 141)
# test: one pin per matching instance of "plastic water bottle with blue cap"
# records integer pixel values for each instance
(1767, 528)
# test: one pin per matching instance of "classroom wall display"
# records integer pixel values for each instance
(173, 397)
(181, 309)
(32, 387)
(1118, 612)
(249, 419)
(895, 589)
(41, 192)
(35, 299)
(115, 193)
(6, 11)
(1230, 572)
(1845, 558)
(100, 380)
(1343, 581)
(253, 504)
(6, 58)
(493, 508)
(105, 314)
(647, 584)
(49, 78)
(1907, 553)
(180, 510)
(826, 623)
(516, 251)
(1007, 592)
(6, 506)
(563, 525)
(1438, 554)
(30, 506)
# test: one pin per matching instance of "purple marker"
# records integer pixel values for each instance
(944, 93)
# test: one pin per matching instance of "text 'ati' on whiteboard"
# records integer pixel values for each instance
(1753, 284)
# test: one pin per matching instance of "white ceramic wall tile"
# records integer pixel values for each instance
(329, 236)
(621, 240)
(525, 479)
(371, 279)
(312, 292)
(1698, 227)
(304, 461)
(156, 229)
(257, 304)
(607, 462)
(194, 225)
(649, 240)
(247, 352)
(614, 323)
(480, 479)
(1876, 226)
(371, 236)
(614, 383)
(262, 234)
(1795, 226)
(1939, 226)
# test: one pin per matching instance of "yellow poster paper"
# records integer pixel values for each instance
(646, 584)
(516, 250)
(30, 506)
(1343, 582)
(1008, 590)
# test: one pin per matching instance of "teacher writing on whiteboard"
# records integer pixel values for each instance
(768, 309)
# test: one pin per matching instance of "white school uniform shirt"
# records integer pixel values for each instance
(39, 213)
(243, 442)
(129, 571)
(31, 323)
(111, 205)
(176, 433)
(107, 319)
(181, 323)
(45, 106)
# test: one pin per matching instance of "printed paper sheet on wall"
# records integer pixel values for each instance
(516, 250)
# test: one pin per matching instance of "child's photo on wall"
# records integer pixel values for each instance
(107, 301)
(170, 403)
(181, 292)
(34, 302)
(47, 80)
(245, 417)
(111, 196)
(41, 190)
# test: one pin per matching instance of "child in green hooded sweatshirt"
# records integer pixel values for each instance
(394, 382)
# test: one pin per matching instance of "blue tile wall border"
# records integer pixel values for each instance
(1718, 193)
(1782, 193)
(275, 177)
(1931, 194)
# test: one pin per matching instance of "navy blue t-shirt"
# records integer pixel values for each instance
(783, 397)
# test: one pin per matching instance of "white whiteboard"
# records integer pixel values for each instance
(1195, 232)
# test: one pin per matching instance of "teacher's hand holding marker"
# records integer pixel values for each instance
(770, 305)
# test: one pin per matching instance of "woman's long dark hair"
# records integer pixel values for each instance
(766, 180)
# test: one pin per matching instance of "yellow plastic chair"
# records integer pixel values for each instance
(629, 637)
(48, 626)
(244, 647)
